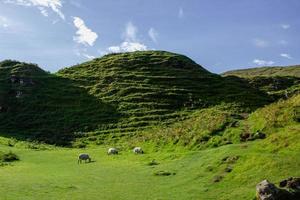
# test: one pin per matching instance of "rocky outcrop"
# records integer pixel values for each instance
(268, 191)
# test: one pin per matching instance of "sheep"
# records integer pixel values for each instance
(112, 151)
(85, 157)
(138, 150)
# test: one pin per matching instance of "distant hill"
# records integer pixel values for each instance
(266, 71)
(118, 93)
(276, 81)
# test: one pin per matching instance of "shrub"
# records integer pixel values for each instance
(8, 157)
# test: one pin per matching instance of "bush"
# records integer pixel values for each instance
(8, 157)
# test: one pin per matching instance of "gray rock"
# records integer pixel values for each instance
(266, 191)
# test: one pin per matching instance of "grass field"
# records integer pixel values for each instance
(205, 136)
(55, 174)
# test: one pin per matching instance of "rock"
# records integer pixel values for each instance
(259, 135)
(282, 183)
(19, 94)
(244, 137)
(293, 183)
(266, 191)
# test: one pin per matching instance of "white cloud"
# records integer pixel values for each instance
(131, 42)
(43, 11)
(90, 57)
(130, 32)
(84, 35)
(153, 34)
(4, 22)
(180, 13)
(285, 26)
(127, 47)
(42, 5)
(83, 53)
(285, 55)
(263, 62)
(260, 43)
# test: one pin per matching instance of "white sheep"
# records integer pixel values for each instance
(112, 151)
(138, 150)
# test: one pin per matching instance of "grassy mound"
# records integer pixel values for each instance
(220, 125)
(278, 82)
(293, 71)
(118, 94)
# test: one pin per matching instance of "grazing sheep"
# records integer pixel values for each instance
(85, 157)
(138, 150)
(112, 151)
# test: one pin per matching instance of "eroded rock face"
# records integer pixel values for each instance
(266, 191)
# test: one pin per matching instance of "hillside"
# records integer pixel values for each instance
(293, 71)
(203, 175)
(119, 93)
(278, 82)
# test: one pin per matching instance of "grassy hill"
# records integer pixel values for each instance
(205, 136)
(278, 82)
(293, 71)
(119, 94)
(227, 172)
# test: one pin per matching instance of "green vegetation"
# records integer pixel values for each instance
(55, 174)
(204, 136)
(278, 82)
(119, 95)
(8, 157)
(290, 71)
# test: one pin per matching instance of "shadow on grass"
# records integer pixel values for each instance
(51, 109)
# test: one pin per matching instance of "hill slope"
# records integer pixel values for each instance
(278, 82)
(205, 174)
(119, 93)
(266, 71)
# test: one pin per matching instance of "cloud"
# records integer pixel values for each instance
(83, 52)
(43, 11)
(131, 42)
(260, 43)
(285, 55)
(285, 26)
(180, 13)
(90, 57)
(3, 22)
(42, 5)
(263, 62)
(84, 35)
(153, 34)
(130, 32)
(127, 47)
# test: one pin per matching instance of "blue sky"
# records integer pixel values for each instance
(218, 34)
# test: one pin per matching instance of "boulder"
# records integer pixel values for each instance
(266, 191)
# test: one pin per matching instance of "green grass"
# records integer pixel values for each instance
(188, 121)
(292, 71)
(278, 82)
(55, 174)
(131, 91)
